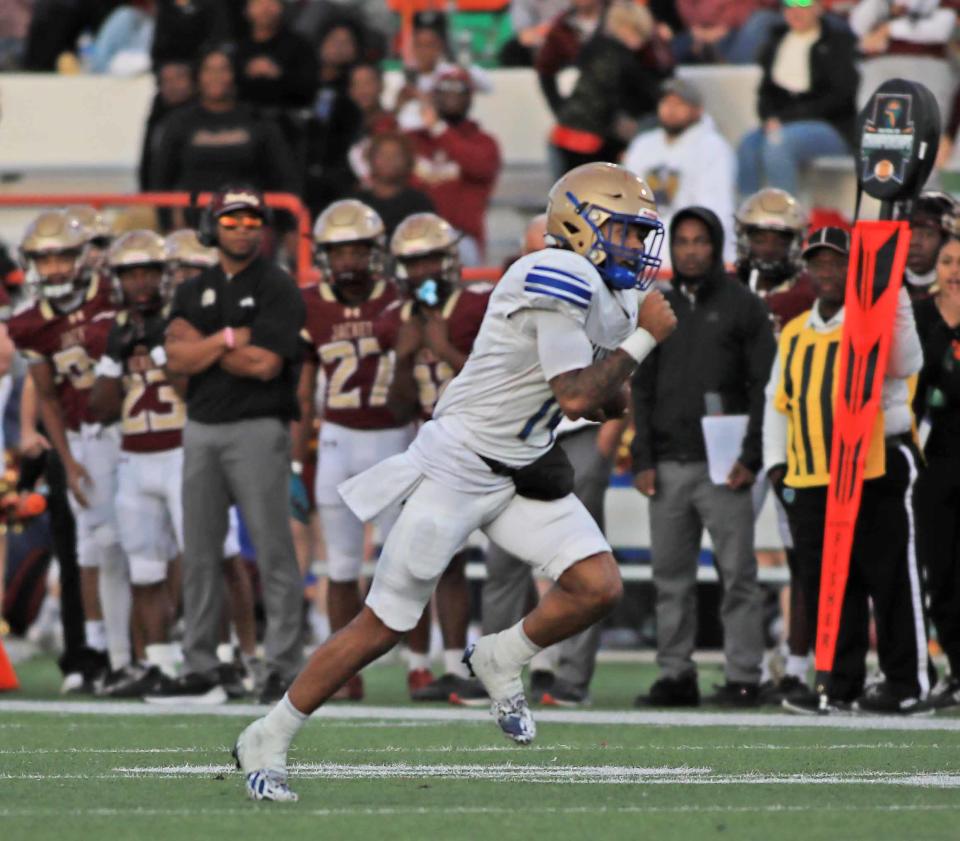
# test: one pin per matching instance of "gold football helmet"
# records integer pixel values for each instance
(91, 223)
(349, 221)
(182, 248)
(771, 209)
(52, 233)
(418, 238)
(138, 249)
(580, 205)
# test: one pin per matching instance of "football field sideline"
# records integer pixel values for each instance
(460, 715)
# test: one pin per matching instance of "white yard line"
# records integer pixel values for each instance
(299, 811)
(518, 773)
(443, 715)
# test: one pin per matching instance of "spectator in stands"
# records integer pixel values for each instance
(716, 362)
(371, 20)
(175, 88)
(183, 28)
(530, 21)
(562, 44)
(55, 27)
(206, 144)
(122, 46)
(616, 93)
(365, 90)
(277, 66)
(938, 489)
(388, 190)
(334, 120)
(14, 23)
(456, 161)
(806, 101)
(906, 27)
(933, 220)
(883, 566)
(685, 159)
(431, 59)
(729, 31)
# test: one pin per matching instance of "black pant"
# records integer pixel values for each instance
(883, 568)
(938, 548)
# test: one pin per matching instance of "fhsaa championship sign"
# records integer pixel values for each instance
(899, 133)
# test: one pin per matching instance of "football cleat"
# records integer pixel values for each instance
(418, 679)
(514, 718)
(263, 761)
(268, 785)
(509, 706)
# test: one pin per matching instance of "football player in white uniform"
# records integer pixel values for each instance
(564, 330)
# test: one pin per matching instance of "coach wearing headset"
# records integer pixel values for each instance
(234, 331)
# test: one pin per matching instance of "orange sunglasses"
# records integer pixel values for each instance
(231, 223)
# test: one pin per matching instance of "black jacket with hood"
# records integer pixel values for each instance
(723, 345)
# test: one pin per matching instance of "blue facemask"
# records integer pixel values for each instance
(626, 267)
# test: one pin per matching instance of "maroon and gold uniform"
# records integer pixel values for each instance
(357, 368)
(463, 311)
(153, 414)
(72, 343)
(788, 300)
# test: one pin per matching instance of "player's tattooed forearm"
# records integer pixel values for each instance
(596, 384)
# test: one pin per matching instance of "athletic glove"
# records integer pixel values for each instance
(299, 503)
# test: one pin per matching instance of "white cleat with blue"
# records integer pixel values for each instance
(506, 688)
(263, 761)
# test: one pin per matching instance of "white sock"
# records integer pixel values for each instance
(116, 601)
(284, 720)
(452, 663)
(416, 660)
(96, 634)
(765, 673)
(544, 660)
(163, 655)
(798, 667)
(512, 649)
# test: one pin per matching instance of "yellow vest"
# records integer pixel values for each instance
(806, 393)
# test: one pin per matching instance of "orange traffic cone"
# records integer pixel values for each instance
(8, 677)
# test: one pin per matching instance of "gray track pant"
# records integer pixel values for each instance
(508, 585)
(685, 503)
(246, 463)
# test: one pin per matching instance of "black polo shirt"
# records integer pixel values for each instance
(264, 298)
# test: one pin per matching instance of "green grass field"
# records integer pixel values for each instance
(389, 770)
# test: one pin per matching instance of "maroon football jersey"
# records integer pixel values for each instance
(357, 368)
(71, 343)
(463, 312)
(153, 414)
(788, 300)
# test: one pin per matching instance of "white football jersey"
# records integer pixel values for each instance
(501, 405)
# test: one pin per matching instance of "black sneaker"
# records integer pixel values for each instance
(672, 692)
(453, 689)
(879, 699)
(273, 689)
(772, 693)
(735, 694)
(132, 681)
(191, 688)
(231, 679)
(563, 693)
(810, 703)
(945, 694)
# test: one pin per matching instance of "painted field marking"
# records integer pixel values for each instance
(272, 813)
(446, 715)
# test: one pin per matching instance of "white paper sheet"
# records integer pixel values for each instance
(723, 435)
